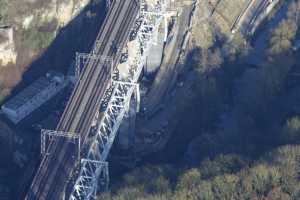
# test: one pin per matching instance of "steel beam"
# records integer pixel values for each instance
(117, 101)
(48, 136)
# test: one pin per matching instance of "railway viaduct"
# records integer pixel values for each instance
(74, 162)
(74, 155)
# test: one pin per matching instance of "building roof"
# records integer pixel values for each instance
(28, 93)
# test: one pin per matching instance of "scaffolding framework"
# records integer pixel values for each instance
(116, 103)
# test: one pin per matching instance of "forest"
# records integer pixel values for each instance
(243, 125)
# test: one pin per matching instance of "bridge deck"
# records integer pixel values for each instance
(55, 169)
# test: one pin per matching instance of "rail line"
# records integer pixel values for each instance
(56, 168)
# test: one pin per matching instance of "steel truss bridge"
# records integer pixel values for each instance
(74, 155)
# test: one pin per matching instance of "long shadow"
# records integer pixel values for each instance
(194, 124)
(263, 137)
(203, 116)
(77, 36)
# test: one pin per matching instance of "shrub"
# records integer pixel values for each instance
(36, 40)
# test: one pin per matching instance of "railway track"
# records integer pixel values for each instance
(55, 169)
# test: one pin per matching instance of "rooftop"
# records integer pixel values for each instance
(28, 93)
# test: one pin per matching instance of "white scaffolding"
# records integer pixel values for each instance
(117, 101)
